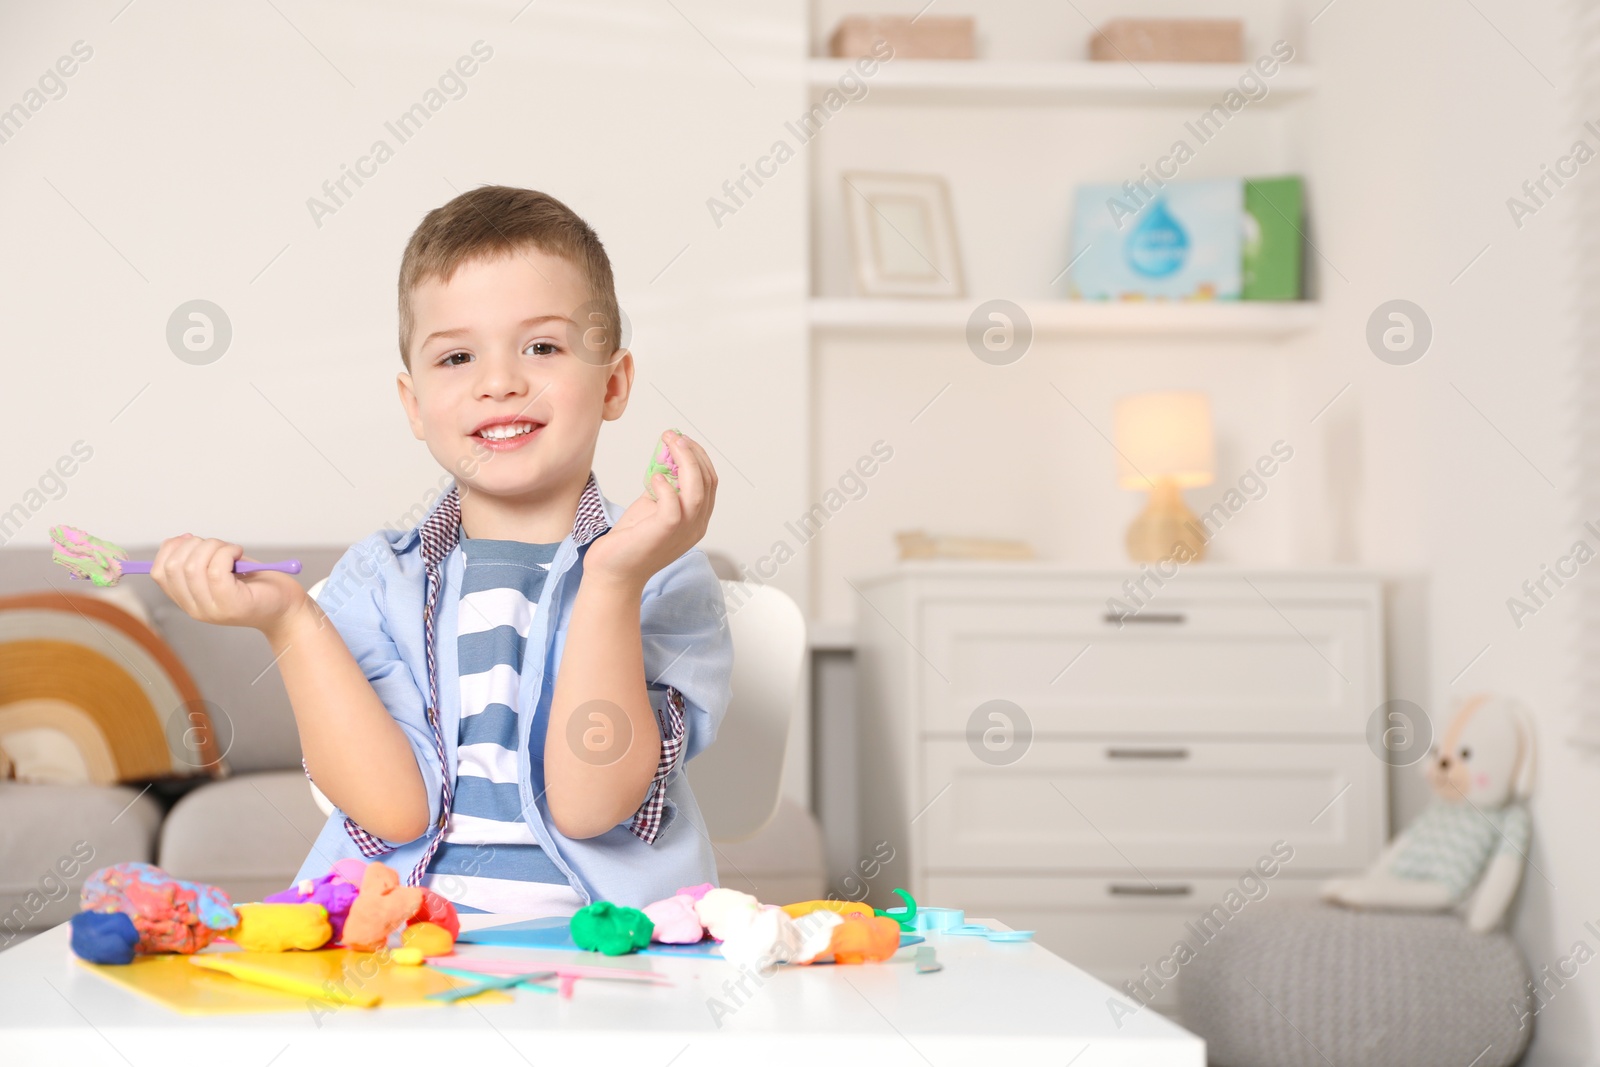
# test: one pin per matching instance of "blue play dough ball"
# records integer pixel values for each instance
(104, 937)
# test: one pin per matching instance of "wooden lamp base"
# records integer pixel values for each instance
(1166, 528)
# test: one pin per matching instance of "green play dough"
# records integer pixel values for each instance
(661, 462)
(906, 916)
(611, 928)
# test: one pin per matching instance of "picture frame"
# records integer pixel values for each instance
(902, 235)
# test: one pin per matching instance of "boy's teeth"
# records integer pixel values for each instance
(503, 433)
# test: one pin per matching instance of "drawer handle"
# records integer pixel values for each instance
(1169, 618)
(1121, 889)
(1147, 753)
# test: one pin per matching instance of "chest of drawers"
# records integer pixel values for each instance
(1039, 745)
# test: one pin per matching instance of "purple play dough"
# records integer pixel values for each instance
(332, 892)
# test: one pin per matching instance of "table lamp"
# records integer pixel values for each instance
(1164, 444)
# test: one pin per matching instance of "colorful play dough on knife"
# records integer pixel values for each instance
(86, 557)
(661, 462)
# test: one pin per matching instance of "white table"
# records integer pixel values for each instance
(999, 1004)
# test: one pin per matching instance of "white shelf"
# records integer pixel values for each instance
(1264, 319)
(984, 81)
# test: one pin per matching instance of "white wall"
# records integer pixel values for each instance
(1429, 119)
(178, 165)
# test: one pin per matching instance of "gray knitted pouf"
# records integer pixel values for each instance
(1309, 985)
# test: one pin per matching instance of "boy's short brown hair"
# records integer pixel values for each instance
(498, 220)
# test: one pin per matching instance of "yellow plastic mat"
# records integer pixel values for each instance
(176, 983)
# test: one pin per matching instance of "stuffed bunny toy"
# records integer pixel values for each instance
(1466, 850)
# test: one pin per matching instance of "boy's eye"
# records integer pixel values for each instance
(540, 348)
(454, 359)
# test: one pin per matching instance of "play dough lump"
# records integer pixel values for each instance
(661, 462)
(86, 557)
(611, 928)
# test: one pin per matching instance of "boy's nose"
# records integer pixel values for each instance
(497, 378)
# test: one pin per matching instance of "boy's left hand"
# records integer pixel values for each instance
(653, 533)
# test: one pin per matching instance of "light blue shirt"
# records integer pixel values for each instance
(375, 597)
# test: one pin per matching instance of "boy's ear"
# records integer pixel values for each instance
(619, 385)
(408, 400)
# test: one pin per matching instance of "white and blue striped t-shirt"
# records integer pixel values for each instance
(489, 860)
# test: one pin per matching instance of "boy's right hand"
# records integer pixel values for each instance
(197, 573)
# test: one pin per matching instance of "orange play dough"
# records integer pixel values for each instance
(846, 909)
(383, 907)
(859, 940)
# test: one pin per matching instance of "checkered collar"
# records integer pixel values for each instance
(441, 530)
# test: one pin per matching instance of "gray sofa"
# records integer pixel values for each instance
(248, 832)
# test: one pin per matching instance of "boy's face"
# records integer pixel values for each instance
(499, 387)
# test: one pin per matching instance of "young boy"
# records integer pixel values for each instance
(501, 705)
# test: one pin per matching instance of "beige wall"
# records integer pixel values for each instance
(178, 165)
(1429, 120)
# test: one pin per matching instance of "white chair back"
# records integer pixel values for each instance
(738, 781)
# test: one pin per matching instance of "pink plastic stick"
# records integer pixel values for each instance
(506, 967)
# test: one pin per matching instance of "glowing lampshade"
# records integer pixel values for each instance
(1164, 437)
(1164, 444)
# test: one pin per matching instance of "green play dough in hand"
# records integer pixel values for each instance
(611, 928)
(661, 462)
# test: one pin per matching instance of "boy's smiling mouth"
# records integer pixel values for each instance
(507, 432)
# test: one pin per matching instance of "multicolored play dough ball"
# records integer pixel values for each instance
(171, 915)
(661, 462)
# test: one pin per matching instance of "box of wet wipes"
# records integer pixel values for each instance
(1144, 241)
